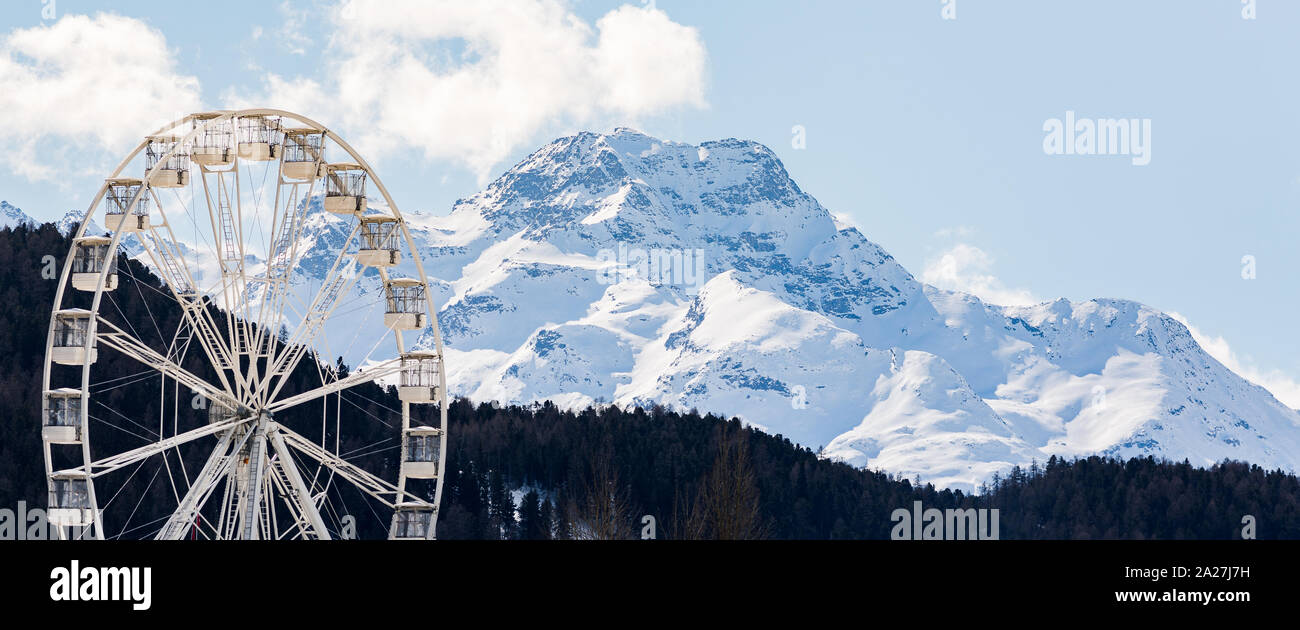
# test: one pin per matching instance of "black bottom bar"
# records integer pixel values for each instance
(661, 579)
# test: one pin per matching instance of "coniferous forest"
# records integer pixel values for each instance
(538, 472)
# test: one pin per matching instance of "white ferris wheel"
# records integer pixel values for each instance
(215, 203)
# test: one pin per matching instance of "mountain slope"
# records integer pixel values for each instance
(11, 217)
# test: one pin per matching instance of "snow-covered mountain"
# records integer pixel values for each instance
(630, 270)
(11, 217)
(72, 218)
(623, 269)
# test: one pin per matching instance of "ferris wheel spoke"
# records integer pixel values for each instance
(338, 284)
(379, 489)
(204, 484)
(289, 208)
(167, 246)
(296, 494)
(111, 463)
(139, 501)
(226, 218)
(278, 487)
(283, 256)
(168, 257)
(225, 224)
(164, 256)
(128, 345)
(377, 371)
(227, 227)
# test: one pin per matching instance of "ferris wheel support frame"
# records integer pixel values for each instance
(269, 464)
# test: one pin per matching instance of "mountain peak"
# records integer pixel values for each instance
(12, 217)
(628, 133)
(628, 186)
(72, 218)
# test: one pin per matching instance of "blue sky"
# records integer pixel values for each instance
(926, 132)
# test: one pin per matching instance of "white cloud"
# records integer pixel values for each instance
(293, 36)
(472, 82)
(844, 221)
(1283, 387)
(966, 268)
(85, 84)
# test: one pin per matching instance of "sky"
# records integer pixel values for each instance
(926, 123)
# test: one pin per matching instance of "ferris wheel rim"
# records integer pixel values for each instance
(91, 342)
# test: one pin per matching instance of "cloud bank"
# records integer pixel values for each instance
(85, 84)
(968, 268)
(472, 82)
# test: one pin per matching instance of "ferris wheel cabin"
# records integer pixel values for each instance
(119, 213)
(418, 382)
(405, 304)
(214, 146)
(412, 521)
(88, 260)
(423, 450)
(345, 189)
(73, 344)
(259, 138)
(304, 154)
(166, 163)
(379, 242)
(62, 416)
(70, 500)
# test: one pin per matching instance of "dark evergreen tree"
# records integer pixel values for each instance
(501, 507)
(530, 517)
(546, 520)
